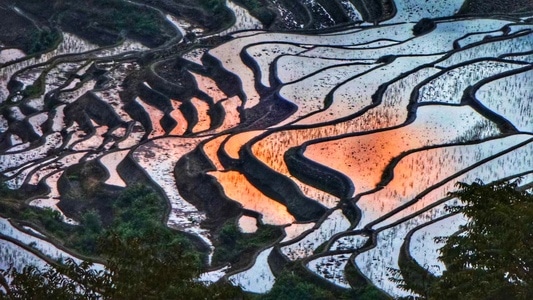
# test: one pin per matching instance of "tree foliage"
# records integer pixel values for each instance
(232, 244)
(54, 283)
(136, 268)
(289, 287)
(491, 257)
(144, 259)
(42, 40)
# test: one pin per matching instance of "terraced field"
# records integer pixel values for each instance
(348, 135)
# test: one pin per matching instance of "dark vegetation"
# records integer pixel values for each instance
(233, 245)
(144, 258)
(489, 8)
(5, 191)
(104, 22)
(144, 267)
(12, 206)
(490, 258)
(101, 21)
(42, 40)
(260, 9)
(131, 213)
(375, 11)
(336, 11)
(21, 33)
(289, 286)
(210, 14)
(295, 282)
(18, 32)
(136, 212)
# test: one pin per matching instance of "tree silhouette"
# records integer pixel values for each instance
(491, 257)
(136, 268)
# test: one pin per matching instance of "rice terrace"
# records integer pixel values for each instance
(255, 148)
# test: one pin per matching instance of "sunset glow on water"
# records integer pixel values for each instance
(357, 132)
(363, 158)
(237, 188)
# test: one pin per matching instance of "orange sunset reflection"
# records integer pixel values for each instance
(236, 187)
(363, 158)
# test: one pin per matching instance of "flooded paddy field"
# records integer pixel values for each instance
(343, 131)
